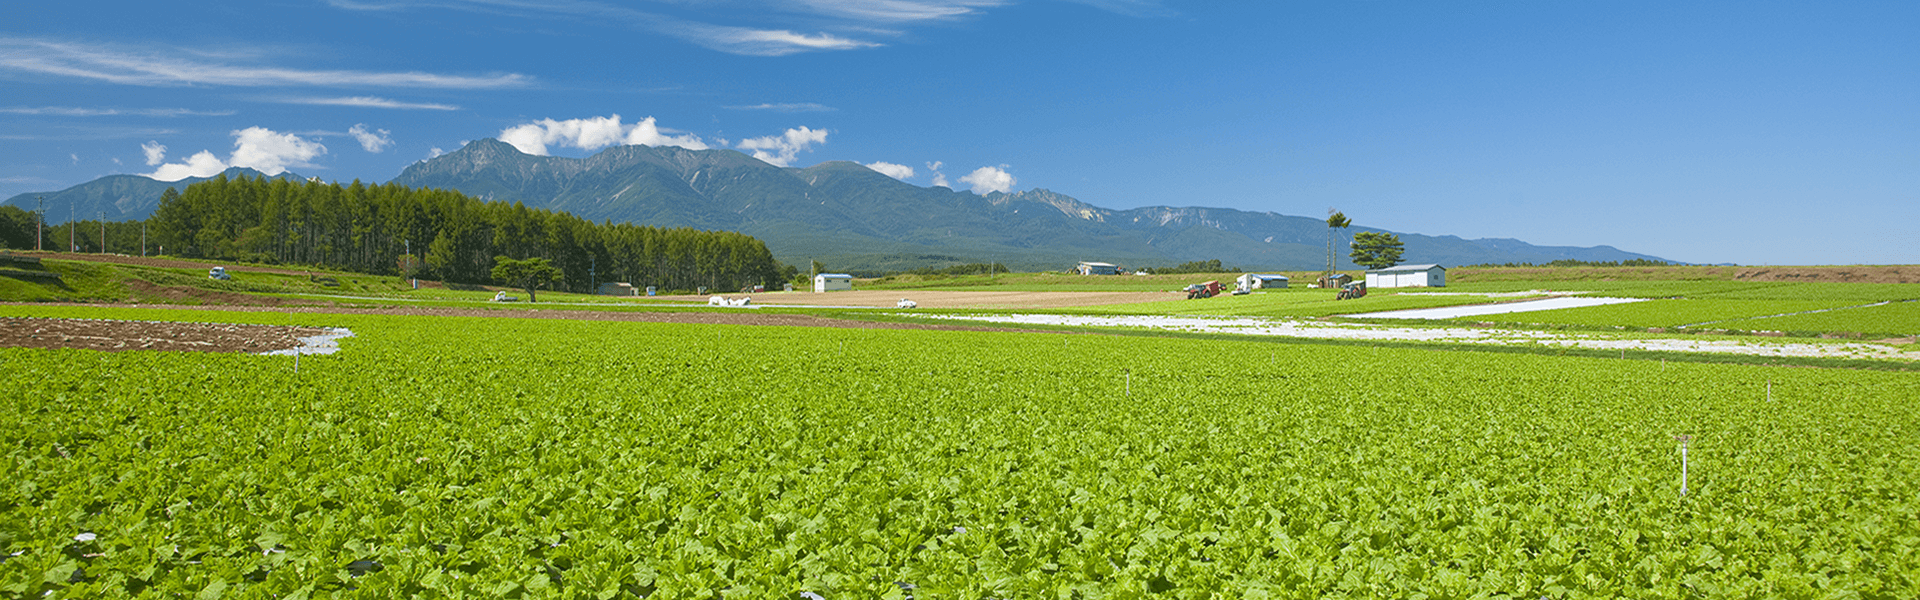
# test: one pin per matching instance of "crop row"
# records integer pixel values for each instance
(543, 458)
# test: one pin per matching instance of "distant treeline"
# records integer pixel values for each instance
(368, 229)
(1566, 262)
(966, 269)
(1197, 266)
(16, 233)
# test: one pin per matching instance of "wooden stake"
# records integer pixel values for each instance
(1683, 461)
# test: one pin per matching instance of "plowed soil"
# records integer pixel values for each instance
(117, 336)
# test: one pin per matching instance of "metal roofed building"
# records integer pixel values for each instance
(1408, 276)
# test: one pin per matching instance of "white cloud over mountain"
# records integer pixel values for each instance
(257, 148)
(989, 179)
(939, 179)
(779, 150)
(900, 172)
(594, 133)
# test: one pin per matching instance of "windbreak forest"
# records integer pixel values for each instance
(371, 228)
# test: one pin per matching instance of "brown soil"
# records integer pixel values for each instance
(117, 336)
(1850, 274)
(179, 293)
(941, 299)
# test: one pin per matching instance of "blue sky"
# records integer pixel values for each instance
(1744, 132)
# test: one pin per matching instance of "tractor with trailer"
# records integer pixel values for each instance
(1357, 289)
(1203, 290)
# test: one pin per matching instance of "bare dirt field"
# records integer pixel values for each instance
(117, 336)
(941, 299)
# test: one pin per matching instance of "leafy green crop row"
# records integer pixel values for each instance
(1898, 318)
(539, 458)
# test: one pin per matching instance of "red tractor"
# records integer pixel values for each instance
(1203, 290)
(1357, 289)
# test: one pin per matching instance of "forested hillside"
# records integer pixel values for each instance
(371, 229)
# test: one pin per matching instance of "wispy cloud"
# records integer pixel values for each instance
(731, 39)
(166, 67)
(92, 133)
(373, 140)
(76, 111)
(370, 102)
(156, 152)
(794, 107)
(898, 10)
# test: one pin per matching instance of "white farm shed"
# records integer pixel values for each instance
(1097, 268)
(833, 282)
(1257, 281)
(1408, 276)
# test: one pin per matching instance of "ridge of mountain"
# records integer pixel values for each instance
(119, 197)
(851, 217)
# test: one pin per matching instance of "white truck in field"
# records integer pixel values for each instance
(219, 273)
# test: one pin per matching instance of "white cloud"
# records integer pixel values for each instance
(778, 150)
(156, 153)
(791, 107)
(593, 133)
(256, 148)
(374, 141)
(371, 102)
(939, 179)
(75, 111)
(901, 172)
(162, 66)
(989, 179)
(202, 164)
(76, 158)
(435, 152)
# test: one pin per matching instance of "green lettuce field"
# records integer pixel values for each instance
(505, 457)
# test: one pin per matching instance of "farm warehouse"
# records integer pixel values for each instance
(461, 456)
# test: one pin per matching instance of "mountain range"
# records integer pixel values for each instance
(850, 217)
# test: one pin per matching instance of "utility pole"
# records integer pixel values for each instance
(103, 232)
(39, 222)
(593, 284)
(143, 238)
(71, 246)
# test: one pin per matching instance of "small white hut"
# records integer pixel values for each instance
(833, 282)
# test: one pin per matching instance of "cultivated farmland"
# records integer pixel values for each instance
(554, 458)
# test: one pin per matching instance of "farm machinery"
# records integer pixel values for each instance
(1357, 289)
(1203, 290)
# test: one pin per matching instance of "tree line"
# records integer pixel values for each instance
(396, 230)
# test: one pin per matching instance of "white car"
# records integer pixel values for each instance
(219, 273)
(905, 303)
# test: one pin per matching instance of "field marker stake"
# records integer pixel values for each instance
(1683, 461)
(296, 361)
(1769, 389)
(1129, 382)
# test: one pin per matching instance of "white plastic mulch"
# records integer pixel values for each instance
(1476, 310)
(1354, 331)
